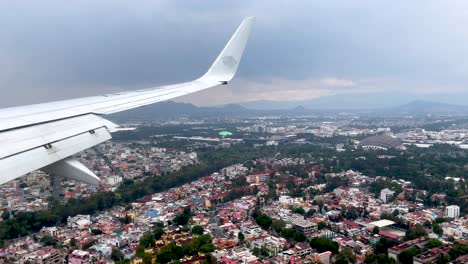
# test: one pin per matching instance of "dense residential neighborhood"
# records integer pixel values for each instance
(284, 194)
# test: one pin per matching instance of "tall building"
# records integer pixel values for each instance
(386, 194)
(46, 255)
(452, 211)
(305, 227)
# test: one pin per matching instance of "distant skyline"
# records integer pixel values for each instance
(300, 50)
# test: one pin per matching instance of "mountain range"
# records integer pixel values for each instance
(170, 109)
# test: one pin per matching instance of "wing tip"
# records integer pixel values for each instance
(226, 64)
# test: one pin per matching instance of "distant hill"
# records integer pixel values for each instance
(428, 107)
(353, 101)
(170, 109)
(362, 101)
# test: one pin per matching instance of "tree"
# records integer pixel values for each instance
(278, 225)
(240, 236)
(346, 256)
(320, 204)
(256, 251)
(147, 259)
(383, 245)
(406, 256)
(72, 242)
(169, 252)
(379, 259)
(376, 230)
(416, 232)
(164, 257)
(201, 243)
(158, 233)
(117, 254)
(48, 241)
(287, 233)
(458, 250)
(321, 225)
(437, 229)
(311, 212)
(126, 219)
(147, 240)
(299, 237)
(89, 244)
(440, 220)
(181, 219)
(96, 232)
(433, 243)
(207, 248)
(197, 230)
(443, 259)
(23, 185)
(140, 252)
(299, 210)
(323, 244)
(264, 221)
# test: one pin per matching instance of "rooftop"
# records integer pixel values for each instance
(381, 223)
(384, 141)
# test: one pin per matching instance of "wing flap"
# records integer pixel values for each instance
(72, 169)
(20, 140)
(34, 159)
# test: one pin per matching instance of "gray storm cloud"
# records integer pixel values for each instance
(52, 50)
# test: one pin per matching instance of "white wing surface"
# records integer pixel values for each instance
(45, 136)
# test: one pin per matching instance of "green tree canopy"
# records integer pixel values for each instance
(379, 259)
(321, 225)
(416, 232)
(158, 233)
(116, 254)
(346, 256)
(181, 219)
(197, 230)
(406, 256)
(323, 244)
(48, 241)
(376, 230)
(299, 237)
(287, 233)
(299, 210)
(240, 236)
(433, 243)
(264, 221)
(147, 240)
(437, 229)
(278, 225)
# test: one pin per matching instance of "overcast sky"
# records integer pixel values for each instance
(52, 50)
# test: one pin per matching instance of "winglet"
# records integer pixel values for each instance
(225, 66)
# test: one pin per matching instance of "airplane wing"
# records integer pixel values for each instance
(45, 136)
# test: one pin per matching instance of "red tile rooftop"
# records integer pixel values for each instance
(351, 223)
(389, 235)
(409, 244)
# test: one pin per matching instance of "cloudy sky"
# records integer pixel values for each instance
(299, 50)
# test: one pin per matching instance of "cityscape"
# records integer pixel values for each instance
(233, 132)
(276, 189)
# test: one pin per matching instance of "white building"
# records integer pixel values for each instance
(452, 211)
(284, 199)
(386, 194)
